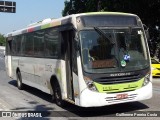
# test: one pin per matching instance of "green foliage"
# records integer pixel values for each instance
(2, 40)
(67, 8)
(73, 7)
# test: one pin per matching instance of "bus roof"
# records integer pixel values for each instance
(60, 21)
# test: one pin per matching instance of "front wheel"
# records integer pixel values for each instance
(19, 81)
(58, 95)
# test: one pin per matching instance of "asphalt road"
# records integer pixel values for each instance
(31, 99)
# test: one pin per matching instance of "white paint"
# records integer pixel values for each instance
(8, 63)
(94, 99)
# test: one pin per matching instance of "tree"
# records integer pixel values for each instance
(68, 7)
(80, 6)
(2, 40)
(73, 7)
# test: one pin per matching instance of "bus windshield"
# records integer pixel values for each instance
(126, 52)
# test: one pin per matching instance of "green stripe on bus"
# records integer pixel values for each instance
(109, 13)
(59, 73)
(45, 26)
(119, 87)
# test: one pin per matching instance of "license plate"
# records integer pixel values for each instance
(121, 96)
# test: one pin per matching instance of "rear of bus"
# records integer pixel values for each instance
(114, 62)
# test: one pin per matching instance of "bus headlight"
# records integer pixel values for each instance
(146, 80)
(90, 84)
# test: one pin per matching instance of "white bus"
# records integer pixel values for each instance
(88, 59)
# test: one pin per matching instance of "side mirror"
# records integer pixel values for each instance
(146, 29)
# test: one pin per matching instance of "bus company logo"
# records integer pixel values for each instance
(120, 74)
(21, 114)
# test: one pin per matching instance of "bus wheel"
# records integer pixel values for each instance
(19, 81)
(58, 95)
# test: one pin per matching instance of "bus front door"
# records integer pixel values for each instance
(67, 40)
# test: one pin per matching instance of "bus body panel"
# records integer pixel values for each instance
(8, 64)
(89, 98)
(76, 89)
(37, 72)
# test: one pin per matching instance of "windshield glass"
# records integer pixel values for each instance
(100, 55)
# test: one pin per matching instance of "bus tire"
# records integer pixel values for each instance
(57, 95)
(19, 81)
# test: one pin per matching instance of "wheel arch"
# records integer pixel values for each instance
(54, 80)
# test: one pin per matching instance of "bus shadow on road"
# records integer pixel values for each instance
(76, 111)
(33, 91)
(111, 110)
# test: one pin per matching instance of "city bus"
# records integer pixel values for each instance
(88, 59)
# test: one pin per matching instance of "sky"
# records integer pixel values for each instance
(29, 11)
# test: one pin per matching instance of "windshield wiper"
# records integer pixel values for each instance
(105, 36)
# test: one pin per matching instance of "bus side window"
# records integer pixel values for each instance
(29, 45)
(23, 45)
(8, 46)
(39, 43)
(52, 44)
(14, 46)
(18, 39)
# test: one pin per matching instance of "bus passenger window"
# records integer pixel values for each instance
(29, 45)
(39, 43)
(52, 44)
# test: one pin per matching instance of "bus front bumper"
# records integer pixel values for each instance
(89, 98)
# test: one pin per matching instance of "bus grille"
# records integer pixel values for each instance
(114, 99)
(118, 79)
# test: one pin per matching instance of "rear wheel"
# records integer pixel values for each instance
(19, 81)
(58, 95)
